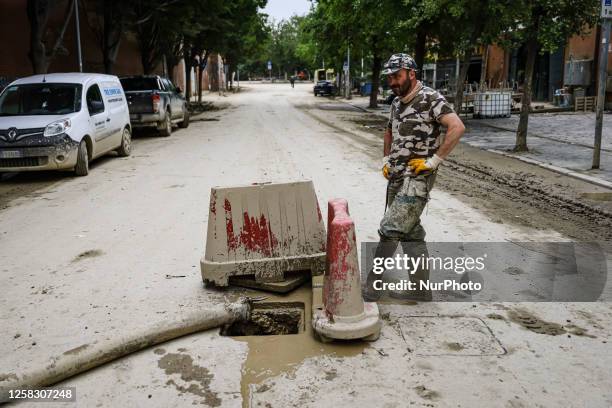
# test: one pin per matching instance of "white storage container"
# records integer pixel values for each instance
(492, 104)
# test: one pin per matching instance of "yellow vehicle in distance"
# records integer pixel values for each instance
(324, 75)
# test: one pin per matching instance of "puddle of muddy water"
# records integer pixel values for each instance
(272, 355)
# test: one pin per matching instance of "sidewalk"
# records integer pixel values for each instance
(552, 144)
(561, 142)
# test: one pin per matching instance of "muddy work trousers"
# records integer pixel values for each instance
(406, 199)
(401, 224)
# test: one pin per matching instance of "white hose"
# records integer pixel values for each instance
(89, 356)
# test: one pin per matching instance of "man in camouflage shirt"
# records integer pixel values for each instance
(413, 150)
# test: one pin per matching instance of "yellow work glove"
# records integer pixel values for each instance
(385, 168)
(421, 165)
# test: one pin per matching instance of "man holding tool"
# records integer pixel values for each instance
(413, 150)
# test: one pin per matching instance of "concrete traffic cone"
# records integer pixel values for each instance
(343, 314)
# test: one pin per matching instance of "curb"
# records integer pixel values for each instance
(556, 169)
(354, 106)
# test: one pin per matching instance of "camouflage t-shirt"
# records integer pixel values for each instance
(415, 128)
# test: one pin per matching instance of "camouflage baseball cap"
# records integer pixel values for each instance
(399, 61)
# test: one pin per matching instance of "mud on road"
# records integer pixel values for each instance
(511, 191)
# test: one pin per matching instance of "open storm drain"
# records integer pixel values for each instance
(267, 319)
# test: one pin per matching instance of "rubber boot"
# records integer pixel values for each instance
(384, 249)
(415, 249)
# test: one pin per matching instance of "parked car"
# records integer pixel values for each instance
(155, 101)
(62, 121)
(324, 88)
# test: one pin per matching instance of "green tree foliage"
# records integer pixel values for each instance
(370, 27)
(544, 26)
(162, 28)
(245, 38)
(283, 46)
(465, 25)
(192, 29)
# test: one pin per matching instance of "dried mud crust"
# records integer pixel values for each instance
(511, 191)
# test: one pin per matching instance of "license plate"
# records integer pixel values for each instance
(10, 154)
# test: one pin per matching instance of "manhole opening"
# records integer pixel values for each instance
(268, 319)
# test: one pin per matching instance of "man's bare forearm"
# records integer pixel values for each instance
(455, 130)
(387, 139)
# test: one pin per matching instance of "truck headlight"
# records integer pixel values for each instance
(57, 128)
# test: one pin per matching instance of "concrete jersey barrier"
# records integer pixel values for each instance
(263, 230)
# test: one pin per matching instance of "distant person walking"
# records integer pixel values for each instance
(292, 80)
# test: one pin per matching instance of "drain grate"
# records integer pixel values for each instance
(268, 319)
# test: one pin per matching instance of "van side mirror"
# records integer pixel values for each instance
(179, 90)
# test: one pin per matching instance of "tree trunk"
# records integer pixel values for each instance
(188, 65)
(200, 72)
(145, 60)
(111, 36)
(170, 66)
(467, 57)
(521, 132)
(171, 62)
(376, 66)
(38, 13)
(230, 75)
(213, 73)
(110, 55)
(147, 39)
(106, 37)
(419, 49)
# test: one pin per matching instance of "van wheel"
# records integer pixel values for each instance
(126, 143)
(184, 124)
(82, 164)
(165, 127)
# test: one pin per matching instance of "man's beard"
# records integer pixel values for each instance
(403, 89)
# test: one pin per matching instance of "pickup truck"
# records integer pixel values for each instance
(155, 101)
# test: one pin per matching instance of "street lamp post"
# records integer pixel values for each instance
(78, 34)
(606, 14)
(348, 72)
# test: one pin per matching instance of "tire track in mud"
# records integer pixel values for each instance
(528, 196)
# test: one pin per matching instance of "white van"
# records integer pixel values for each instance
(62, 121)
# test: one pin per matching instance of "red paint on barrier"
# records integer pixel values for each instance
(255, 235)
